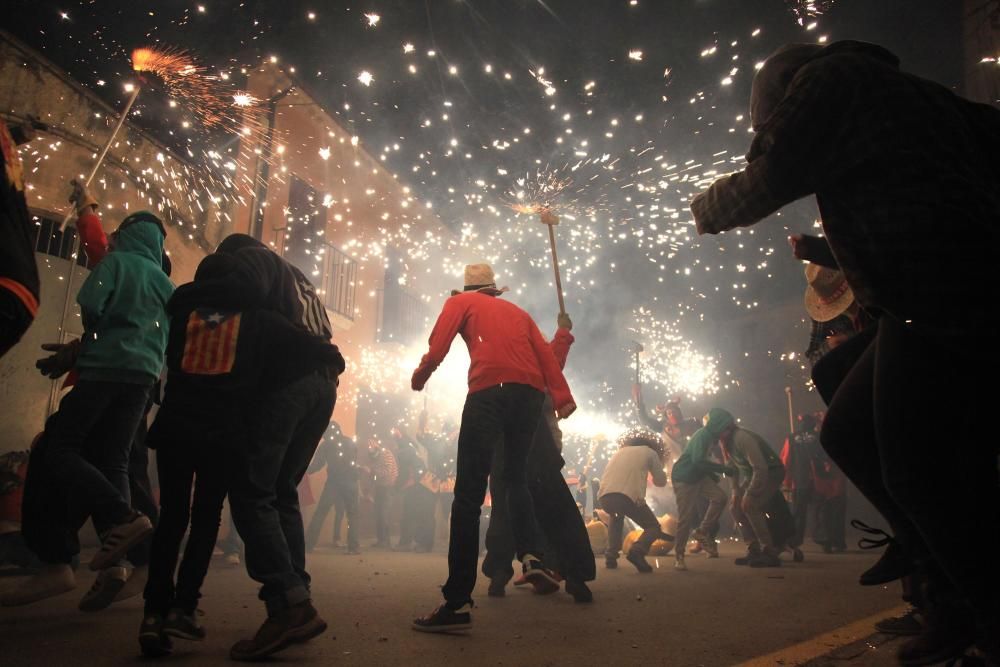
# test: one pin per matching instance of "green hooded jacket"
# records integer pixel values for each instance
(123, 304)
(694, 464)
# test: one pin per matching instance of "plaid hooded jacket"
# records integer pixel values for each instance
(906, 175)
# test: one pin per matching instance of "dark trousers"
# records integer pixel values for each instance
(418, 521)
(930, 483)
(285, 429)
(181, 467)
(342, 494)
(619, 506)
(831, 522)
(80, 467)
(803, 500)
(141, 489)
(567, 544)
(506, 414)
(14, 320)
(381, 501)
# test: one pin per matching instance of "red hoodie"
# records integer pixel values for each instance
(504, 345)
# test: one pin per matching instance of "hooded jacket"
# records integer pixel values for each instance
(694, 464)
(18, 272)
(123, 303)
(753, 457)
(904, 172)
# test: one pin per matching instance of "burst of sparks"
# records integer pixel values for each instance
(635, 54)
(373, 19)
(366, 78)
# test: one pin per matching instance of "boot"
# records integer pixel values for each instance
(294, 625)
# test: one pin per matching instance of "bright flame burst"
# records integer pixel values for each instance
(244, 100)
(537, 192)
(671, 362)
(809, 9)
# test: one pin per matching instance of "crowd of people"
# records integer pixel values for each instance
(905, 176)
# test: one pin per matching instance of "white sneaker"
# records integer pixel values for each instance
(680, 565)
(119, 540)
(109, 583)
(50, 581)
(135, 583)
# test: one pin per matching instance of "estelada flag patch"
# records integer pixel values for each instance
(210, 342)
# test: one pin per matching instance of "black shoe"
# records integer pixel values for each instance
(498, 587)
(638, 559)
(907, 625)
(152, 642)
(752, 551)
(894, 563)
(542, 579)
(936, 644)
(580, 591)
(611, 563)
(295, 625)
(766, 558)
(182, 625)
(444, 619)
(797, 555)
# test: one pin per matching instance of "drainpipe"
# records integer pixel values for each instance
(256, 222)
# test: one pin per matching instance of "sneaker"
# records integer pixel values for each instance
(611, 563)
(906, 625)
(135, 583)
(752, 551)
(680, 565)
(233, 559)
(444, 619)
(580, 591)
(152, 642)
(638, 559)
(50, 581)
(705, 543)
(766, 558)
(182, 625)
(294, 625)
(107, 586)
(120, 539)
(498, 586)
(543, 580)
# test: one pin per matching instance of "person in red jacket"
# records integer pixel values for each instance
(512, 366)
(561, 524)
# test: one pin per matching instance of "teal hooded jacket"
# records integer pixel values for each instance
(694, 464)
(123, 304)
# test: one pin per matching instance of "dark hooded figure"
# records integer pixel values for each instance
(908, 185)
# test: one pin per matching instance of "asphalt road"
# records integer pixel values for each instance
(714, 614)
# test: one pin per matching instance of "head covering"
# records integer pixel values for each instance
(480, 278)
(214, 266)
(718, 421)
(150, 217)
(640, 436)
(771, 81)
(827, 294)
(235, 242)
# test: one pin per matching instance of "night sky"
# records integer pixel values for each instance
(631, 91)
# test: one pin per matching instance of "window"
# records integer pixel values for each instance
(305, 224)
(338, 287)
(50, 241)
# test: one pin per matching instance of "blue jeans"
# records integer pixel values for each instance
(505, 414)
(285, 428)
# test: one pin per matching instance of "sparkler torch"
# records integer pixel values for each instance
(636, 349)
(107, 146)
(791, 412)
(550, 219)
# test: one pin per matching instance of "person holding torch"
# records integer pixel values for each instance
(511, 368)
